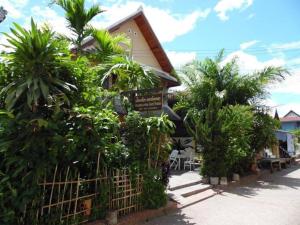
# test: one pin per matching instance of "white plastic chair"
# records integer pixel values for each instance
(173, 159)
(191, 161)
(188, 151)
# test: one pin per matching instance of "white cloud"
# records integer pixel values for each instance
(286, 46)
(282, 109)
(14, 7)
(249, 63)
(3, 41)
(179, 59)
(248, 44)
(49, 16)
(224, 6)
(166, 25)
(251, 16)
(290, 85)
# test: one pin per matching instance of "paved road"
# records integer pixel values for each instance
(273, 200)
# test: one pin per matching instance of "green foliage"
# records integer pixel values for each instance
(154, 142)
(297, 135)
(179, 145)
(237, 127)
(108, 45)
(37, 64)
(135, 126)
(159, 130)
(153, 195)
(78, 18)
(223, 112)
(263, 130)
(129, 74)
(54, 112)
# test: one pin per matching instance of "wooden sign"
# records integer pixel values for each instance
(148, 101)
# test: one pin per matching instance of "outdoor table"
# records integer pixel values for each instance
(272, 162)
(179, 157)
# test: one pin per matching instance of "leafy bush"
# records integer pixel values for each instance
(154, 194)
(135, 126)
(237, 129)
(55, 113)
(224, 112)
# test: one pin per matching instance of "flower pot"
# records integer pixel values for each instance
(112, 217)
(236, 177)
(214, 180)
(205, 180)
(223, 181)
(254, 167)
(87, 207)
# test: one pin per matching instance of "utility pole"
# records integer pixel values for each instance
(3, 14)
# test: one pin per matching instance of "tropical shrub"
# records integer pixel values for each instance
(37, 62)
(237, 126)
(78, 19)
(55, 115)
(135, 126)
(153, 195)
(224, 112)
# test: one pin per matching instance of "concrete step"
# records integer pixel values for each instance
(187, 201)
(192, 190)
(180, 186)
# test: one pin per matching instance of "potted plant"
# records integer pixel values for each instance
(87, 206)
(180, 145)
(214, 180)
(223, 181)
(86, 203)
(235, 177)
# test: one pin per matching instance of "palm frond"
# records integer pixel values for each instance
(35, 57)
(78, 17)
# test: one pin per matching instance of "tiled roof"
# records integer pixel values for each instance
(291, 116)
(290, 119)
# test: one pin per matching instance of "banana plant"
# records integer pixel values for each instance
(159, 130)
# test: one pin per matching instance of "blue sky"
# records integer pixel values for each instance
(259, 32)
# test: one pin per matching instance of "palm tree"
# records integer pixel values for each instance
(36, 61)
(224, 110)
(112, 54)
(129, 75)
(109, 46)
(78, 18)
(208, 78)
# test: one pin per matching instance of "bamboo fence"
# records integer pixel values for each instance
(70, 198)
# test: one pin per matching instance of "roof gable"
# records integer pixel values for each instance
(149, 35)
(291, 116)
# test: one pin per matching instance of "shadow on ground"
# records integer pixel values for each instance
(275, 181)
(177, 218)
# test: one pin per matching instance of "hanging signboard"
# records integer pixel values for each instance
(148, 100)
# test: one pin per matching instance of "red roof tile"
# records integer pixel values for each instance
(290, 119)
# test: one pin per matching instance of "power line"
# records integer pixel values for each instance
(215, 52)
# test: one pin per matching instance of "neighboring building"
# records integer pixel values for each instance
(147, 50)
(286, 144)
(290, 122)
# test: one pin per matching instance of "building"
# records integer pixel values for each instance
(286, 144)
(290, 122)
(147, 50)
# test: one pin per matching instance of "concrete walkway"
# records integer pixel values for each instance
(272, 200)
(178, 178)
